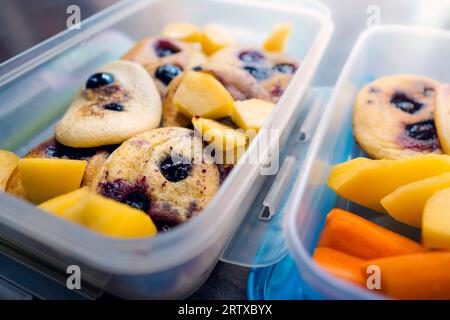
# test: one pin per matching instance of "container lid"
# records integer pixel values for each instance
(259, 241)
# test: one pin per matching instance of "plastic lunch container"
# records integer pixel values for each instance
(379, 52)
(37, 86)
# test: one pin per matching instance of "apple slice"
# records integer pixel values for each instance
(182, 31)
(406, 203)
(276, 41)
(215, 38)
(44, 179)
(111, 218)
(436, 221)
(366, 182)
(102, 215)
(200, 94)
(229, 144)
(251, 114)
(59, 205)
(8, 162)
(223, 137)
(442, 117)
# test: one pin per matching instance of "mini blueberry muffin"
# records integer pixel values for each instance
(239, 84)
(163, 172)
(117, 102)
(272, 69)
(53, 149)
(165, 58)
(394, 117)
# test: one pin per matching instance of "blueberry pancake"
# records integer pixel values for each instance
(273, 70)
(119, 101)
(53, 149)
(240, 84)
(163, 172)
(165, 58)
(394, 117)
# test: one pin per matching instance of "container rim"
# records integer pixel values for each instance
(114, 255)
(307, 267)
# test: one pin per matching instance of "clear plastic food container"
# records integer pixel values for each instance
(37, 86)
(379, 52)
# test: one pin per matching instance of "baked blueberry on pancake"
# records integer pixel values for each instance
(274, 70)
(165, 58)
(163, 172)
(117, 102)
(394, 117)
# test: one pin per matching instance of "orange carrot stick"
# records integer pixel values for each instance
(358, 237)
(415, 276)
(341, 265)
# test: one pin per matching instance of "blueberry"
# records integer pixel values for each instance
(114, 107)
(164, 48)
(197, 68)
(428, 92)
(424, 130)
(138, 201)
(60, 151)
(288, 68)
(259, 73)
(99, 80)
(175, 169)
(167, 72)
(405, 103)
(251, 56)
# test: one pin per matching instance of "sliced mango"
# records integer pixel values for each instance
(215, 38)
(277, 39)
(442, 117)
(44, 179)
(59, 205)
(406, 203)
(182, 31)
(111, 218)
(8, 162)
(436, 221)
(222, 137)
(200, 94)
(366, 181)
(251, 114)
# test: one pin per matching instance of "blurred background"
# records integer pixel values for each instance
(25, 23)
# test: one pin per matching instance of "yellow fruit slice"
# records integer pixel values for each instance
(251, 114)
(59, 205)
(277, 39)
(200, 94)
(111, 218)
(222, 137)
(215, 38)
(44, 179)
(366, 181)
(182, 31)
(436, 221)
(406, 203)
(442, 117)
(8, 162)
